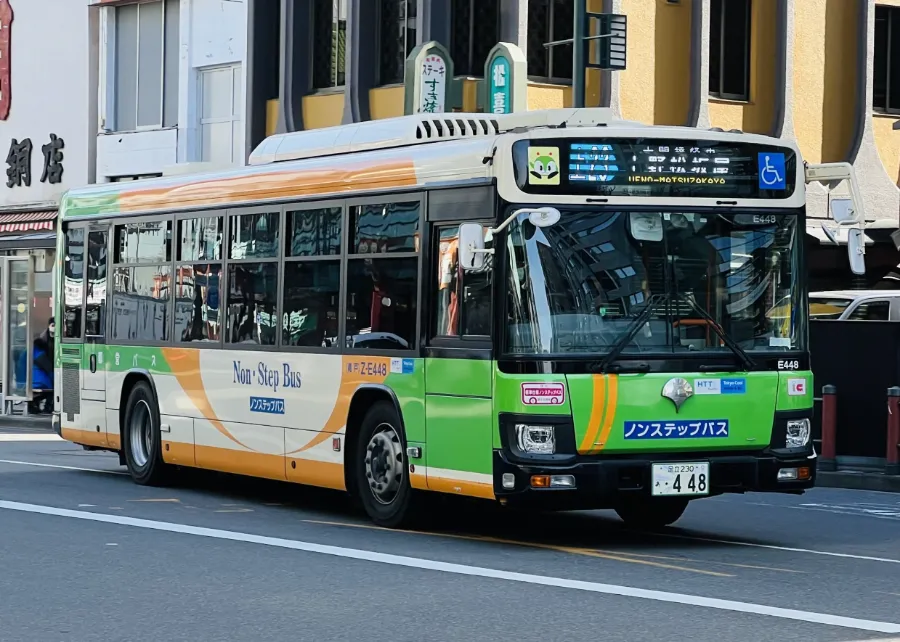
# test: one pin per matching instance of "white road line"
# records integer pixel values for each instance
(462, 569)
(773, 547)
(24, 436)
(85, 470)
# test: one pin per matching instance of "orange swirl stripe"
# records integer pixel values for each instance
(350, 381)
(611, 399)
(603, 411)
(598, 405)
(185, 366)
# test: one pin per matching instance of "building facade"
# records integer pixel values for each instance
(171, 86)
(44, 116)
(815, 71)
(45, 121)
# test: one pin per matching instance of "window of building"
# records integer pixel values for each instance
(312, 278)
(329, 54)
(396, 38)
(886, 81)
(253, 278)
(462, 306)
(141, 282)
(550, 21)
(474, 30)
(729, 49)
(382, 276)
(146, 65)
(198, 276)
(221, 124)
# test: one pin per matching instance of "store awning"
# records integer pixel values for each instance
(27, 221)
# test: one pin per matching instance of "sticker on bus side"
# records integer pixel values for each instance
(683, 429)
(267, 405)
(402, 366)
(543, 394)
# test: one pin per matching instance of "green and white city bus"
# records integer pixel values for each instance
(552, 309)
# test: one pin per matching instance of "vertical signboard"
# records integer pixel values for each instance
(505, 80)
(6, 18)
(428, 80)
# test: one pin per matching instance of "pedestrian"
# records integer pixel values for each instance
(43, 352)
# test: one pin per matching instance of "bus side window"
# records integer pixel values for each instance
(463, 301)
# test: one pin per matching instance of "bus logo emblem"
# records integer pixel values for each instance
(677, 391)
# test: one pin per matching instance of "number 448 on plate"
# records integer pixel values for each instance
(680, 479)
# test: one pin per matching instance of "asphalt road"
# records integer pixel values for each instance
(85, 554)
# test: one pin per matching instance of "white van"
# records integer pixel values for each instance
(855, 305)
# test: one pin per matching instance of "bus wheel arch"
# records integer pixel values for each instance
(141, 437)
(363, 399)
(376, 444)
(131, 380)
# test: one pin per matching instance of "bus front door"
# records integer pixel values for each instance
(94, 364)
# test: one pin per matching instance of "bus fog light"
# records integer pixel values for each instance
(562, 481)
(536, 440)
(797, 433)
(509, 481)
(787, 474)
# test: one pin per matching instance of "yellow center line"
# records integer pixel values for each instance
(551, 547)
(672, 558)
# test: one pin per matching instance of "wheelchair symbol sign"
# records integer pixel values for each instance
(772, 174)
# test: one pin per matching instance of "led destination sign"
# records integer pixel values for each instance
(654, 167)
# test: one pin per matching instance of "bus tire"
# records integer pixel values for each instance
(649, 513)
(382, 474)
(141, 438)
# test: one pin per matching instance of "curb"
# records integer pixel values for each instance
(858, 480)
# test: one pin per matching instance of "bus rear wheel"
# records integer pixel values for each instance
(651, 512)
(141, 438)
(381, 470)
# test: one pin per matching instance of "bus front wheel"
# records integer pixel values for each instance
(651, 512)
(381, 471)
(141, 439)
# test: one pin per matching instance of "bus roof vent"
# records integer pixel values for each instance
(372, 135)
(417, 129)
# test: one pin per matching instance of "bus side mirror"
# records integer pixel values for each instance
(856, 250)
(471, 246)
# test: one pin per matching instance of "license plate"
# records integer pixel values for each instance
(680, 479)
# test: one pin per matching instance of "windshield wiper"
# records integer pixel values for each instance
(630, 331)
(741, 354)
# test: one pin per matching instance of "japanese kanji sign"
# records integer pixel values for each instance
(430, 86)
(434, 82)
(506, 83)
(18, 162)
(6, 19)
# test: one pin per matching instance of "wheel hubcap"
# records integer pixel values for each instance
(141, 432)
(384, 464)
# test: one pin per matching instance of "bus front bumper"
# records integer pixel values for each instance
(603, 483)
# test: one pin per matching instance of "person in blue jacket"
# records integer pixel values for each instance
(41, 370)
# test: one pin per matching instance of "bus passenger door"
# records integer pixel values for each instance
(94, 364)
(458, 371)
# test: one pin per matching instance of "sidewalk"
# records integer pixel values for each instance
(859, 480)
(20, 424)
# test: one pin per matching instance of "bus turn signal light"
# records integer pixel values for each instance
(540, 481)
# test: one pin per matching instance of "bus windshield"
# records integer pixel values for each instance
(576, 286)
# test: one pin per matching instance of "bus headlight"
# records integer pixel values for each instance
(536, 440)
(797, 433)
